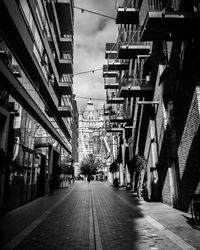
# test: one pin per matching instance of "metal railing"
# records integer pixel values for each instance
(66, 34)
(156, 5)
(129, 79)
(127, 4)
(111, 94)
(66, 56)
(108, 108)
(133, 82)
(130, 37)
(109, 125)
(66, 78)
(111, 81)
(111, 109)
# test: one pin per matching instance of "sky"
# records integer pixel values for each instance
(91, 33)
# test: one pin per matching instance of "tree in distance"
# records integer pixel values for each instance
(90, 165)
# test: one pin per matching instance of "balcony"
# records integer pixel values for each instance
(167, 23)
(130, 46)
(62, 111)
(65, 14)
(4, 52)
(119, 119)
(66, 42)
(118, 65)
(65, 111)
(7, 57)
(111, 51)
(120, 114)
(112, 128)
(133, 87)
(107, 108)
(127, 13)
(110, 110)
(112, 97)
(110, 73)
(111, 83)
(131, 51)
(66, 63)
(65, 85)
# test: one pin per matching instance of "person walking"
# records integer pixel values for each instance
(89, 178)
(51, 184)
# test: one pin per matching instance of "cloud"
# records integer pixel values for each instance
(92, 32)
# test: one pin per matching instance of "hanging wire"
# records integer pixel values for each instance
(89, 71)
(92, 12)
(91, 98)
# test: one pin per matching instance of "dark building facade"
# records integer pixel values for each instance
(159, 41)
(75, 131)
(36, 67)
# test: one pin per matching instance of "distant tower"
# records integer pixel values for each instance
(91, 124)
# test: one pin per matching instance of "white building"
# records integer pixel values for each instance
(91, 129)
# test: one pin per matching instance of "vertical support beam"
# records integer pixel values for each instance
(154, 151)
(5, 120)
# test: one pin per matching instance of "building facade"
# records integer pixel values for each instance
(91, 124)
(92, 137)
(152, 74)
(36, 102)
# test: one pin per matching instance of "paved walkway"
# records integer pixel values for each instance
(96, 216)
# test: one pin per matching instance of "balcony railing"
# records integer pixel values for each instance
(127, 4)
(65, 85)
(111, 83)
(111, 109)
(120, 114)
(65, 107)
(111, 51)
(163, 21)
(110, 73)
(66, 41)
(109, 126)
(131, 82)
(113, 97)
(107, 108)
(112, 127)
(118, 64)
(129, 44)
(135, 87)
(65, 111)
(127, 12)
(66, 56)
(66, 63)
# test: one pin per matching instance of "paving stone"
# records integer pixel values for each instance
(119, 220)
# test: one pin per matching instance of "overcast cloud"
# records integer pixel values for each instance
(91, 32)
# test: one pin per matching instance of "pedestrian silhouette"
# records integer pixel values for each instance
(116, 183)
(89, 178)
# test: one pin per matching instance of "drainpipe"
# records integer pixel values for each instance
(123, 159)
(154, 150)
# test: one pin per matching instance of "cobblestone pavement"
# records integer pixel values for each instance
(97, 216)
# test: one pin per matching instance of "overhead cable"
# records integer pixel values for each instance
(92, 12)
(84, 97)
(89, 71)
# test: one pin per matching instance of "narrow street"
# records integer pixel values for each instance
(97, 216)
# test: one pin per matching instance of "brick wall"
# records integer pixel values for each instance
(189, 153)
